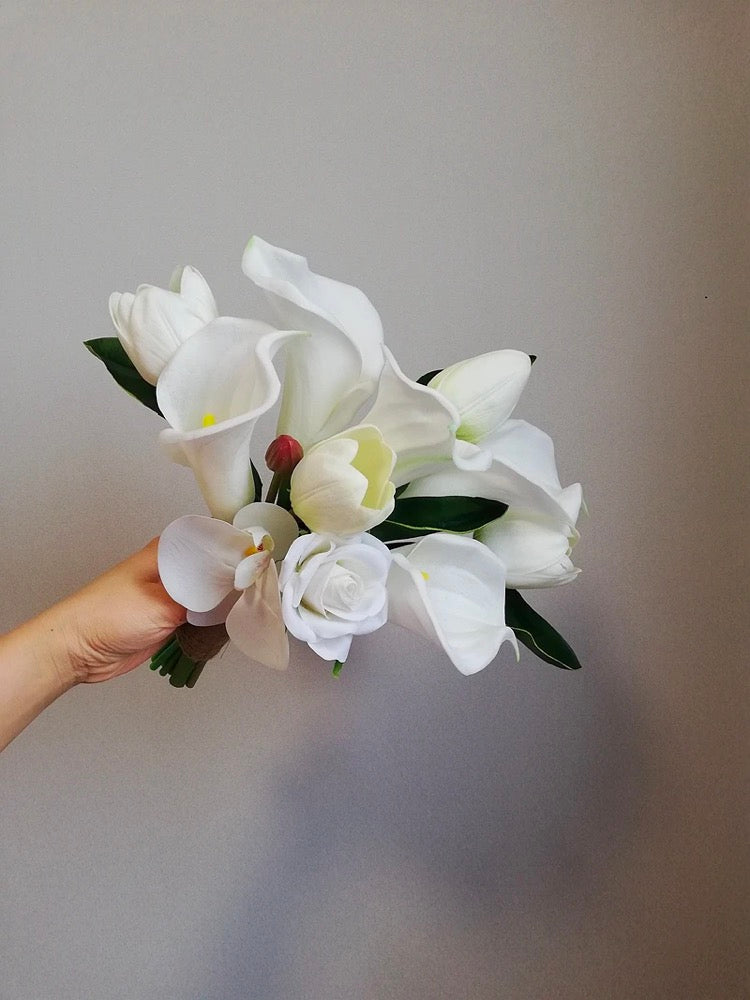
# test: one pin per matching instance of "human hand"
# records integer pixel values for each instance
(114, 623)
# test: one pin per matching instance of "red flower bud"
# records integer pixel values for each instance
(284, 452)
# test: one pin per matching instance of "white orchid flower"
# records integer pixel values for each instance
(332, 373)
(333, 591)
(154, 322)
(451, 589)
(212, 393)
(535, 552)
(227, 573)
(342, 486)
(484, 390)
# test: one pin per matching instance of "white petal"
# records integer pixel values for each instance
(255, 623)
(499, 482)
(196, 292)
(528, 450)
(278, 522)
(224, 371)
(533, 551)
(448, 590)
(217, 615)
(329, 375)
(417, 422)
(250, 569)
(484, 390)
(197, 557)
(336, 648)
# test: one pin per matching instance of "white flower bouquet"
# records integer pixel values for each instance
(421, 503)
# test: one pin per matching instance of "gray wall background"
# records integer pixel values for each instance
(566, 178)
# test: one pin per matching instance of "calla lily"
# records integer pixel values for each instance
(226, 572)
(154, 322)
(522, 475)
(212, 393)
(535, 552)
(484, 390)
(450, 589)
(332, 373)
(342, 486)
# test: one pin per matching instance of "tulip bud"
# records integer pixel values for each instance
(342, 486)
(283, 454)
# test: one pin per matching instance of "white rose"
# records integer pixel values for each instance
(332, 591)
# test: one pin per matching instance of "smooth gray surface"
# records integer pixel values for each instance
(564, 178)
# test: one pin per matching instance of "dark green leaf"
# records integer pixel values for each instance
(123, 371)
(337, 668)
(424, 379)
(536, 633)
(257, 483)
(532, 358)
(414, 516)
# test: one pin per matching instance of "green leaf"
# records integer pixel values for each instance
(123, 371)
(414, 516)
(257, 483)
(537, 634)
(337, 668)
(428, 376)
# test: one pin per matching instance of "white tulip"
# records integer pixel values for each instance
(332, 373)
(154, 322)
(333, 591)
(342, 485)
(227, 573)
(484, 390)
(450, 589)
(211, 393)
(535, 552)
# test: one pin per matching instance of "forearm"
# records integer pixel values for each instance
(33, 672)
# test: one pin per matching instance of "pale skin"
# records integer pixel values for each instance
(107, 628)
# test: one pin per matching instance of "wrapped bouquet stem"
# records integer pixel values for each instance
(421, 502)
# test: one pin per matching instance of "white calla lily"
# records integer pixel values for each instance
(211, 393)
(226, 573)
(484, 390)
(450, 589)
(332, 591)
(330, 375)
(154, 322)
(522, 474)
(342, 486)
(535, 552)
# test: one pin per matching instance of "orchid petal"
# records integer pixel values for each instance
(450, 589)
(250, 569)
(197, 557)
(217, 615)
(330, 375)
(484, 390)
(255, 623)
(278, 522)
(212, 393)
